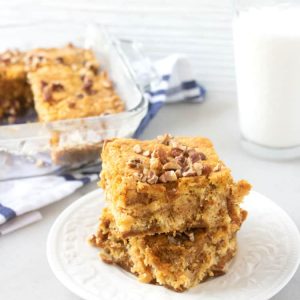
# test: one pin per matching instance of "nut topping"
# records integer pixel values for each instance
(47, 93)
(164, 139)
(57, 87)
(59, 60)
(87, 84)
(137, 149)
(189, 172)
(194, 156)
(181, 160)
(152, 178)
(134, 163)
(146, 153)
(198, 168)
(206, 170)
(171, 165)
(155, 164)
(217, 168)
(176, 152)
(170, 176)
(191, 236)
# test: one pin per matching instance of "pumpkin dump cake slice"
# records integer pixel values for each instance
(175, 260)
(168, 185)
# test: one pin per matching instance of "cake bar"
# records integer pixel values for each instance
(169, 185)
(175, 260)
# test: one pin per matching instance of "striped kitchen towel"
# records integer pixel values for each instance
(24, 197)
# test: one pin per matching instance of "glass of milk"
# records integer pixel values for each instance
(267, 61)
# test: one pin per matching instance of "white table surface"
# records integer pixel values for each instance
(24, 271)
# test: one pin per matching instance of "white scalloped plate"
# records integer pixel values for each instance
(268, 257)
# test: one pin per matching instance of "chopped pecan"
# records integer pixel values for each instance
(134, 163)
(176, 152)
(137, 149)
(206, 170)
(43, 84)
(178, 173)
(189, 172)
(155, 164)
(164, 139)
(217, 168)
(72, 104)
(147, 153)
(57, 87)
(91, 66)
(161, 155)
(60, 60)
(191, 236)
(152, 178)
(173, 240)
(171, 165)
(144, 178)
(47, 93)
(202, 155)
(137, 175)
(162, 178)
(170, 176)
(181, 160)
(87, 84)
(198, 167)
(194, 156)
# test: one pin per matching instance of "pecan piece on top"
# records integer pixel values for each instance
(57, 87)
(152, 178)
(137, 149)
(134, 163)
(189, 172)
(198, 167)
(165, 139)
(171, 165)
(170, 176)
(206, 170)
(47, 93)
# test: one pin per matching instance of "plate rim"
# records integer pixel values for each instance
(59, 273)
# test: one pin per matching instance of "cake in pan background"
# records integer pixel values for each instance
(60, 102)
(60, 83)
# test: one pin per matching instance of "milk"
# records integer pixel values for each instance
(267, 56)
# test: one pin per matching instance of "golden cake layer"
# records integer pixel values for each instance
(177, 261)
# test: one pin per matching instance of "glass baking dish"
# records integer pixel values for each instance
(27, 149)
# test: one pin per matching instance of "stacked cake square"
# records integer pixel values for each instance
(173, 210)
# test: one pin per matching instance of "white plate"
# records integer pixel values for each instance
(268, 256)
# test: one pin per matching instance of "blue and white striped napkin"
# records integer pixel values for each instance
(20, 199)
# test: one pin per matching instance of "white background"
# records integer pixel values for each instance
(200, 29)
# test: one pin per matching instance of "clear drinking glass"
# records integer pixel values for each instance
(267, 61)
